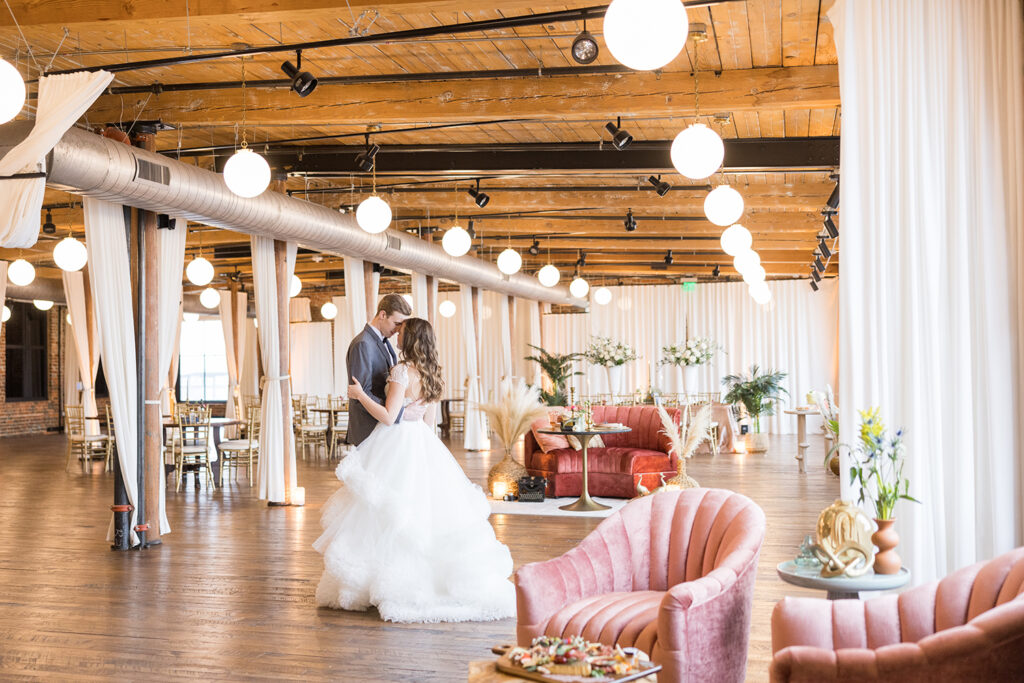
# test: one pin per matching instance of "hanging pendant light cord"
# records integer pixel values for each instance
(244, 143)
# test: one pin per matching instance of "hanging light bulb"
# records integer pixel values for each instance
(457, 241)
(761, 293)
(70, 254)
(246, 173)
(210, 298)
(446, 308)
(295, 286)
(736, 239)
(21, 273)
(373, 215)
(723, 205)
(745, 260)
(579, 287)
(754, 274)
(42, 304)
(645, 34)
(697, 151)
(602, 296)
(199, 271)
(329, 311)
(756, 287)
(509, 261)
(549, 275)
(6, 315)
(12, 91)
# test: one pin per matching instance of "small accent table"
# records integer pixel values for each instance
(801, 434)
(585, 503)
(841, 587)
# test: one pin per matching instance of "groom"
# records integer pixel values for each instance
(370, 358)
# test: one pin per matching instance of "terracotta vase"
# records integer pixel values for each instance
(886, 538)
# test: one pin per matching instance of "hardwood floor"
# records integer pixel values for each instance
(230, 593)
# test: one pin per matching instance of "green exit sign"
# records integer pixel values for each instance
(689, 286)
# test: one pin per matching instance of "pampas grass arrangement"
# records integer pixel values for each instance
(684, 439)
(510, 415)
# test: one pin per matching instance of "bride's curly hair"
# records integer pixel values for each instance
(419, 348)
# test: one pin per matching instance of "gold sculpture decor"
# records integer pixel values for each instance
(844, 541)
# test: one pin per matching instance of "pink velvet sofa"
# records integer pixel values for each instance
(967, 627)
(641, 455)
(671, 573)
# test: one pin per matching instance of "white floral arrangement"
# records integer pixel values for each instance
(693, 352)
(607, 352)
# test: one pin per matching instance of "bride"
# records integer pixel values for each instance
(407, 531)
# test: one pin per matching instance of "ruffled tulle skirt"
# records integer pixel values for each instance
(408, 533)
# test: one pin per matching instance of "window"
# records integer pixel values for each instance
(203, 365)
(27, 359)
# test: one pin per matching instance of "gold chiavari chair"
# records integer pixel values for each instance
(339, 423)
(191, 442)
(79, 443)
(237, 452)
(111, 443)
(310, 426)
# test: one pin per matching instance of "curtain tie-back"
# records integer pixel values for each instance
(268, 378)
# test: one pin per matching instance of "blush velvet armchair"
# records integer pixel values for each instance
(671, 573)
(967, 627)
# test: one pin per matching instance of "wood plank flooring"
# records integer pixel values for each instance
(229, 596)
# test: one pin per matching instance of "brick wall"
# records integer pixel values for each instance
(34, 417)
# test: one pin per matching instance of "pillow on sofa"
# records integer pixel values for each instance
(547, 442)
(574, 442)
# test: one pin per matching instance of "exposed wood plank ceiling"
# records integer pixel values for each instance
(768, 64)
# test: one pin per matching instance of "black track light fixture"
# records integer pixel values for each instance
(830, 226)
(534, 248)
(815, 275)
(481, 198)
(49, 227)
(620, 138)
(814, 285)
(716, 271)
(668, 258)
(630, 222)
(366, 160)
(818, 263)
(582, 260)
(584, 46)
(660, 186)
(823, 248)
(833, 199)
(164, 222)
(303, 82)
(471, 230)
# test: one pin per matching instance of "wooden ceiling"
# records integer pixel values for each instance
(769, 65)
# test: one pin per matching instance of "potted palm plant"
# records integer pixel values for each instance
(758, 392)
(558, 368)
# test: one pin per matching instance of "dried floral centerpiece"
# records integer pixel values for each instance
(510, 415)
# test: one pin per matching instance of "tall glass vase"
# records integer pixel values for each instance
(690, 381)
(614, 379)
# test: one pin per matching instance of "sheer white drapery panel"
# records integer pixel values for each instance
(232, 311)
(311, 359)
(172, 373)
(373, 296)
(355, 296)
(72, 395)
(298, 310)
(419, 296)
(475, 437)
(250, 383)
(110, 280)
(277, 443)
(794, 334)
(343, 335)
(62, 101)
(85, 340)
(505, 330)
(932, 213)
(172, 264)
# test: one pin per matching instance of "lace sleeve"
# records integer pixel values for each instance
(399, 375)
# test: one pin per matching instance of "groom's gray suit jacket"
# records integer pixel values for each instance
(368, 362)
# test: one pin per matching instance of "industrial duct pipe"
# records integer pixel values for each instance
(94, 166)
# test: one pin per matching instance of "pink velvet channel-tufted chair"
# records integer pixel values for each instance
(671, 573)
(967, 627)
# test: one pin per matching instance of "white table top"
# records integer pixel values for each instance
(810, 577)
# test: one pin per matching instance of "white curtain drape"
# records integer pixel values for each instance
(475, 437)
(355, 295)
(343, 334)
(250, 382)
(3, 286)
(171, 380)
(277, 445)
(373, 295)
(795, 334)
(110, 278)
(299, 311)
(419, 296)
(72, 395)
(232, 320)
(169, 305)
(505, 329)
(62, 101)
(930, 294)
(311, 359)
(85, 339)
(533, 325)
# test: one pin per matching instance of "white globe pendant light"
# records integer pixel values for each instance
(761, 293)
(645, 34)
(373, 215)
(190, 317)
(67, 316)
(21, 272)
(745, 260)
(210, 298)
(295, 286)
(199, 271)
(6, 315)
(509, 261)
(736, 239)
(408, 299)
(549, 275)
(446, 309)
(723, 205)
(12, 91)
(579, 288)
(756, 287)
(697, 151)
(42, 304)
(457, 241)
(246, 173)
(70, 254)
(602, 296)
(754, 274)
(329, 311)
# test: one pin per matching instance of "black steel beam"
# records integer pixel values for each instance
(471, 161)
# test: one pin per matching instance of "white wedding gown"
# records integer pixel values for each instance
(408, 532)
